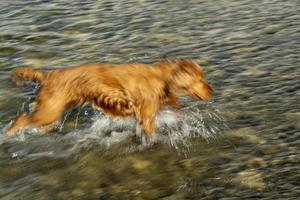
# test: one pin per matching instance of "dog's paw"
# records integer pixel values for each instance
(10, 133)
(148, 140)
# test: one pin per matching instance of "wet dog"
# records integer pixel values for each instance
(123, 90)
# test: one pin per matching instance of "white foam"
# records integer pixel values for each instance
(174, 128)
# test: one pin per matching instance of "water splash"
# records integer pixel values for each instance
(175, 129)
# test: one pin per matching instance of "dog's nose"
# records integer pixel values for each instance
(211, 90)
(208, 91)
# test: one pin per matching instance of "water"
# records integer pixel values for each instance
(244, 144)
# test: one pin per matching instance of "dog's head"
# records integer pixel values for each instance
(188, 79)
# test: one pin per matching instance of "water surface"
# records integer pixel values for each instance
(244, 144)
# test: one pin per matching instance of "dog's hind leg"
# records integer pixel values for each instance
(47, 112)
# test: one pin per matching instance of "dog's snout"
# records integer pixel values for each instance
(209, 88)
(204, 92)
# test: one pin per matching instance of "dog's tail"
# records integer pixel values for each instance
(20, 75)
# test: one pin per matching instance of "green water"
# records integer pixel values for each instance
(244, 144)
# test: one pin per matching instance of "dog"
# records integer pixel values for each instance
(119, 90)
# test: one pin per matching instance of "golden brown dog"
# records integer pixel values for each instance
(123, 90)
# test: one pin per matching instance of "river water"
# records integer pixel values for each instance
(243, 144)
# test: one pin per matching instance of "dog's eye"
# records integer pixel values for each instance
(183, 87)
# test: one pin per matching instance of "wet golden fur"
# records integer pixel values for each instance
(123, 90)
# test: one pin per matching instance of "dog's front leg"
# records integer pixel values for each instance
(148, 126)
(146, 117)
(171, 100)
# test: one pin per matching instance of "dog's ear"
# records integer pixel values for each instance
(183, 73)
(190, 67)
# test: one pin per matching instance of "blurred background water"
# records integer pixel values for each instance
(244, 144)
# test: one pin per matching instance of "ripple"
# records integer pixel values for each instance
(249, 50)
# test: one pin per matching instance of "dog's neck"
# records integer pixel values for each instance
(166, 70)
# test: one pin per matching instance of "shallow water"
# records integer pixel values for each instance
(243, 144)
